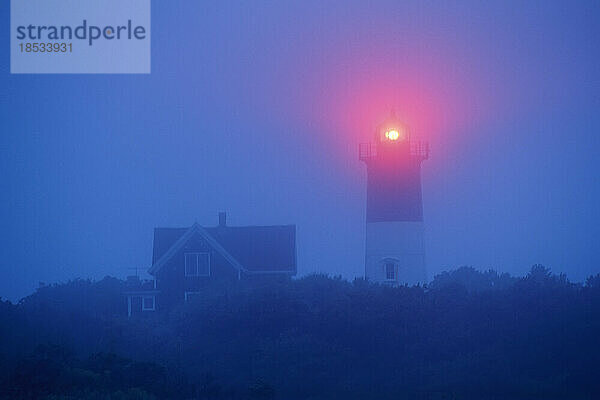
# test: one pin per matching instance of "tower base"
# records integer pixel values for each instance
(395, 253)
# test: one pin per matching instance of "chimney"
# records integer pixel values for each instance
(222, 219)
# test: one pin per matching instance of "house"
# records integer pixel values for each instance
(186, 261)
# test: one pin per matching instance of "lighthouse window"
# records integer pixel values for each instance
(390, 271)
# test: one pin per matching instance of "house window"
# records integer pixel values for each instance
(148, 303)
(390, 271)
(197, 264)
(190, 296)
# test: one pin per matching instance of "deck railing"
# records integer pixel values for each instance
(418, 149)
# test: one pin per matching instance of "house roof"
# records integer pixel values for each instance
(255, 249)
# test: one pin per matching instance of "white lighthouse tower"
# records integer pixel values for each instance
(395, 252)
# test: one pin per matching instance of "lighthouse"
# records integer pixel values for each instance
(395, 252)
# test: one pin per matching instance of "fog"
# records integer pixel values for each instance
(257, 109)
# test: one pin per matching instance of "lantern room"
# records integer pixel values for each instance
(393, 139)
(392, 131)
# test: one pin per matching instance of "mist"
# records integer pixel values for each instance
(258, 109)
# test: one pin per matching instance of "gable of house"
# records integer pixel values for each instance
(203, 240)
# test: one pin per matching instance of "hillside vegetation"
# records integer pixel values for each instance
(467, 335)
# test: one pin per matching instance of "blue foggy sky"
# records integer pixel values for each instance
(257, 109)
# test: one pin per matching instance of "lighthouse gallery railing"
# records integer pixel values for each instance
(418, 149)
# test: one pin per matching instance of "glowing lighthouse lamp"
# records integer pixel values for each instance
(399, 134)
(394, 251)
(392, 134)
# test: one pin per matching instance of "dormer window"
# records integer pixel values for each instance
(197, 264)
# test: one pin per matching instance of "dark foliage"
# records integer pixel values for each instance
(469, 334)
(52, 372)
